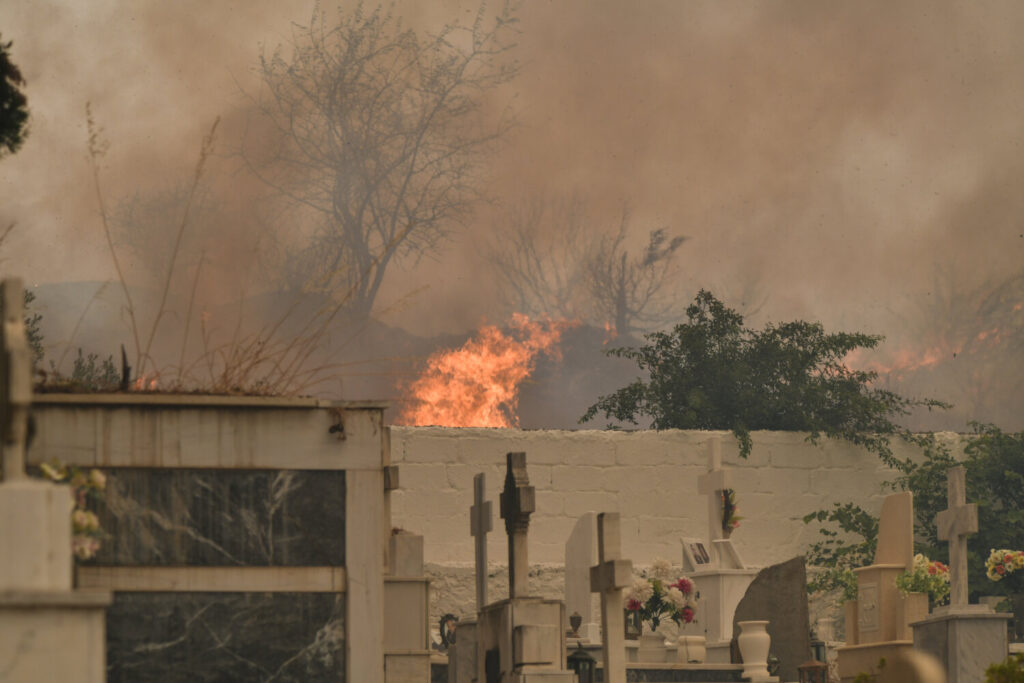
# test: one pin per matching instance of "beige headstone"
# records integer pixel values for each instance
(912, 667)
(536, 644)
(896, 530)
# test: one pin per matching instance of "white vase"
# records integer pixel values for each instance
(691, 650)
(652, 648)
(754, 643)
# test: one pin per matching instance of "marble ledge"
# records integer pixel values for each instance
(87, 599)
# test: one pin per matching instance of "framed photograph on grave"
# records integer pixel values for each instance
(695, 554)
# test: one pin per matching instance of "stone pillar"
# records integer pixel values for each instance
(48, 632)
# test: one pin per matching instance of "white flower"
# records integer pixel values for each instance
(641, 591)
(84, 547)
(675, 597)
(661, 569)
(97, 479)
(80, 520)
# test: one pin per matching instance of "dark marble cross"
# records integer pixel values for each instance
(15, 378)
(954, 524)
(479, 525)
(517, 502)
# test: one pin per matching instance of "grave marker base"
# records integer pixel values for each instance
(965, 641)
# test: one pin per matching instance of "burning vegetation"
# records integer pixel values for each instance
(477, 384)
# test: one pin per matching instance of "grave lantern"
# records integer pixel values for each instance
(583, 664)
(818, 652)
(813, 672)
(634, 624)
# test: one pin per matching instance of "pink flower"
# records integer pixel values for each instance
(687, 615)
(633, 605)
(1000, 569)
(684, 585)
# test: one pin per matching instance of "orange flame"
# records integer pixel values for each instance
(610, 332)
(477, 385)
(146, 382)
(901, 361)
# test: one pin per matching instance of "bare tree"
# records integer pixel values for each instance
(554, 260)
(540, 256)
(382, 132)
(631, 289)
(148, 226)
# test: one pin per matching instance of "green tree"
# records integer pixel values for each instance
(711, 372)
(13, 103)
(994, 461)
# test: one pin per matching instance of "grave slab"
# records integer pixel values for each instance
(580, 556)
(881, 616)
(779, 595)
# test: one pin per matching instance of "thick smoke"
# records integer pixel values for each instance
(836, 159)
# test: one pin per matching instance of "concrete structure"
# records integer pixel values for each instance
(881, 614)
(48, 632)
(381, 575)
(521, 639)
(649, 477)
(965, 638)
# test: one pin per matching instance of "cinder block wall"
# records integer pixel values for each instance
(649, 477)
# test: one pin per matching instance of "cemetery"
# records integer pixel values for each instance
(290, 539)
(511, 342)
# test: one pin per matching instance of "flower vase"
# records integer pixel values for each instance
(915, 608)
(691, 649)
(652, 647)
(754, 643)
(1017, 624)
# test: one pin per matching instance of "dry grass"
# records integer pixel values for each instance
(271, 361)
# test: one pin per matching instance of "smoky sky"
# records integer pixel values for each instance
(831, 155)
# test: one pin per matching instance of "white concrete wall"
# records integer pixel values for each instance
(649, 477)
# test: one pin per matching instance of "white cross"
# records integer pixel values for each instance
(712, 484)
(608, 578)
(479, 525)
(15, 379)
(954, 524)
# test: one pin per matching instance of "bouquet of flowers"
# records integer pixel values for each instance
(730, 520)
(85, 525)
(926, 576)
(658, 597)
(1002, 564)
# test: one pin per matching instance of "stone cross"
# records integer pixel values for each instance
(479, 525)
(608, 578)
(15, 379)
(517, 502)
(953, 525)
(712, 484)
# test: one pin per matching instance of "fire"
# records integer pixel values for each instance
(477, 385)
(146, 382)
(610, 333)
(901, 361)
